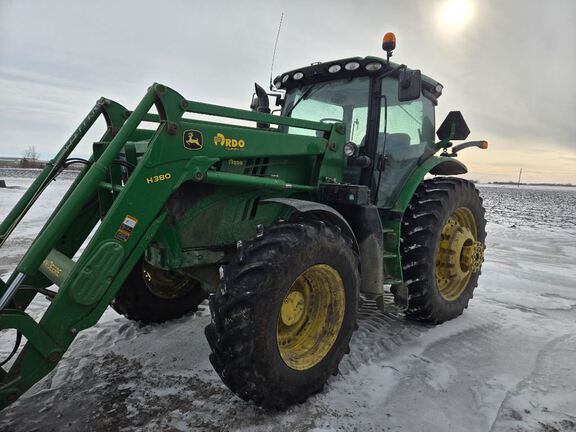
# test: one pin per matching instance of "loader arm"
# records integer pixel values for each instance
(131, 211)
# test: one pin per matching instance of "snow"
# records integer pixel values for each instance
(505, 364)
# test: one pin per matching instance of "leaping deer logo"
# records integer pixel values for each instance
(192, 139)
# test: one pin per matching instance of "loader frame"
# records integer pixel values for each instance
(130, 212)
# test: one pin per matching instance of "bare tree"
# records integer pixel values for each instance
(31, 154)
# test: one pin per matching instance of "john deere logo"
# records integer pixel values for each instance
(228, 143)
(193, 139)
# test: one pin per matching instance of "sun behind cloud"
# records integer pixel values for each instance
(455, 15)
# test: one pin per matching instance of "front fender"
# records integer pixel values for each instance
(437, 165)
(363, 226)
(312, 207)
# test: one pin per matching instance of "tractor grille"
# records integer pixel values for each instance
(256, 167)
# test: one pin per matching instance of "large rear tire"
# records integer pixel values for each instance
(152, 295)
(443, 242)
(285, 314)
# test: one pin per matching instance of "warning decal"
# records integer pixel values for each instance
(123, 233)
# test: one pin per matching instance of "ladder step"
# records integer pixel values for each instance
(389, 256)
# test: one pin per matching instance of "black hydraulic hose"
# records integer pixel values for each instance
(15, 349)
(72, 161)
(129, 166)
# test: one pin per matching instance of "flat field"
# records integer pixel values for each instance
(507, 364)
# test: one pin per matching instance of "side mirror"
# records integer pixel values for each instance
(453, 127)
(260, 103)
(409, 85)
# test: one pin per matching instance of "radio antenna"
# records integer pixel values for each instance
(275, 46)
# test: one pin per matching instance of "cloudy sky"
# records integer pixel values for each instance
(508, 65)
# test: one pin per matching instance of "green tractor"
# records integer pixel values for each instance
(283, 225)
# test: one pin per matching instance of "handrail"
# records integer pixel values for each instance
(221, 111)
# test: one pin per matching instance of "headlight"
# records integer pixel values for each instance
(374, 66)
(334, 68)
(352, 66)
(298, 76)
(285, 78)
(439, 88)
(277, 82)
(350, 149)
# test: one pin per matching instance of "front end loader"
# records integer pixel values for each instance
(282, 225)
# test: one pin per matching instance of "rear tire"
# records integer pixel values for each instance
(285, 314)
(443, 240)
(139, 301)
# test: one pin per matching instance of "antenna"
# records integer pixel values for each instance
(275, 45)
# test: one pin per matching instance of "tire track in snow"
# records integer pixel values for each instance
(529, 401)
(379, 334)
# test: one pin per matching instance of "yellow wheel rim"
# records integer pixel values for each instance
(311, 317)
(458, 255)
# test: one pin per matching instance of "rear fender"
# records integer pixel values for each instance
(436, 165)
(392, 218)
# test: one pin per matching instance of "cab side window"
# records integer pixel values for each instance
(406, 132)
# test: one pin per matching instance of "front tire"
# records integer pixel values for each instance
(443, 242)
(286, 312)
(152, 295)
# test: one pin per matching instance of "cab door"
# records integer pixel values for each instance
(405, 132)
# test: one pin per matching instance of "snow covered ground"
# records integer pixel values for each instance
(507, 364)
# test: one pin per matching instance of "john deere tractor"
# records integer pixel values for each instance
(283, 225)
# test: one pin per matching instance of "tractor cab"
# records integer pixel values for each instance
(387, 108)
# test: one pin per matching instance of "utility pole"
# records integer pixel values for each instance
(519, 176)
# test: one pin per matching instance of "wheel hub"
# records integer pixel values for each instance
(458, 255)
(310, 317)
(474, 256)
(293, 308)
(454, 254)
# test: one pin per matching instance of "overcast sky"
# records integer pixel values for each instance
(508, 65)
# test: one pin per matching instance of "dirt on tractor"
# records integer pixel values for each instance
(347, 196)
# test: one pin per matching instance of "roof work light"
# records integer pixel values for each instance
(388, 44)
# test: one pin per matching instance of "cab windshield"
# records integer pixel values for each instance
(406, 128)
(332, 101)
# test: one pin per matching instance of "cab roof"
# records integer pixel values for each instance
(349, 68)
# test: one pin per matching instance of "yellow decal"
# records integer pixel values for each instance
(159, 178)
(229, 143)
(192, 139)
(235, 162)
(52, 267)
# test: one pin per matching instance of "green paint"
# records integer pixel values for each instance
(416, 178)
(194, 192)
